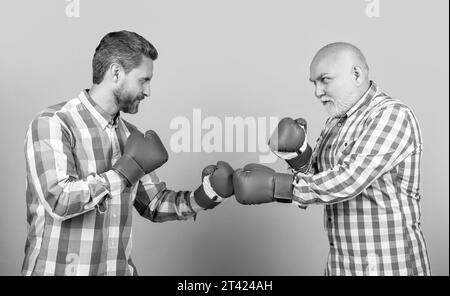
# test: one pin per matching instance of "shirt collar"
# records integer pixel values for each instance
(363, 101)
(101, 115)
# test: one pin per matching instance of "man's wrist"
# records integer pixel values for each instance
(301, 160)
(209, 190)
(286, 155)
(114, 182)
(129, 169)
(203, 200)
(123, 181)
(283, 190)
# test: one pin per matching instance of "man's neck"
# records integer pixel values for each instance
(104, 99)
(364, 88)
(360, 94)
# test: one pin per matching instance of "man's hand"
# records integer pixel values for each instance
(258, 184)
(142, 155)
(289, 142)
(217, 184)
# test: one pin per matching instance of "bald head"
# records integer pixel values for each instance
(340, 53)
(340, 75)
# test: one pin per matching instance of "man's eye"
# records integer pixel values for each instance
(325, 79)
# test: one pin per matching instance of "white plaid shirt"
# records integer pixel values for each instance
(365, 170)
(79, 213)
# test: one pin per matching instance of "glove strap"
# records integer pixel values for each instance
(203, 200)
(283, 187)
(299, 161)
(129, 169)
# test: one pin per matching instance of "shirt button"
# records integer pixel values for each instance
(339, 124)
(331, 244)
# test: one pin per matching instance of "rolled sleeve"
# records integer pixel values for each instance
(159, 204)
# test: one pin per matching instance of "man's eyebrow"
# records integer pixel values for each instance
(318, 78)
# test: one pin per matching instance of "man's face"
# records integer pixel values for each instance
(134, 87)
(334, 83)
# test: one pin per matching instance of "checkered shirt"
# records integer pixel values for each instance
(365, 169)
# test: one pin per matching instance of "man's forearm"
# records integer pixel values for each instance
(68, 197)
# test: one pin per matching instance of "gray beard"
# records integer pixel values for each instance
(338, 108)
(123, 101)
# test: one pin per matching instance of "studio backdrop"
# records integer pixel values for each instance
(227, 71)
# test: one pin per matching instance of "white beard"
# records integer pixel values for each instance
(337, 108)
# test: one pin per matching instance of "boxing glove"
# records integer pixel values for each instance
(141, 155)
(217, 184)
(289, 142)
(258, 184)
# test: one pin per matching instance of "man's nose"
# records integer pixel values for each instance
(319, 91)
(147, 91)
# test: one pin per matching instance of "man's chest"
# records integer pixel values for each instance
(337, 141)
(95, 149)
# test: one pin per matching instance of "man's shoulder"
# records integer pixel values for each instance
(392, 110)
(385, 103)
(63, 107)
(58, 113)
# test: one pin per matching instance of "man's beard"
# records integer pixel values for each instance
(125, 101)
(337, 108)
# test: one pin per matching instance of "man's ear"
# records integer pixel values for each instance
(358, 75)
(115, 72)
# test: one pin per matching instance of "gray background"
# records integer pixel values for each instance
(229, 58)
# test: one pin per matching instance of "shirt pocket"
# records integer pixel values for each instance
(344, 149)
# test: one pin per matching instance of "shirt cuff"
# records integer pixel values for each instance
(302, 190)
(115, 183)
(300, 204)
(97, 192)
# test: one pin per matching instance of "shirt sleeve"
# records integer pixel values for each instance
(51, 170)
(159, 204)
(310, 168)
(386, 141)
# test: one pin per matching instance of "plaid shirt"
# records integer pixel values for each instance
(366, 171)
(79, 213)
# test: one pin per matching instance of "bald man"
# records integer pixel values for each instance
(365, 170)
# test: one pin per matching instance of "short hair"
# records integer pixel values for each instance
(122, 47)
